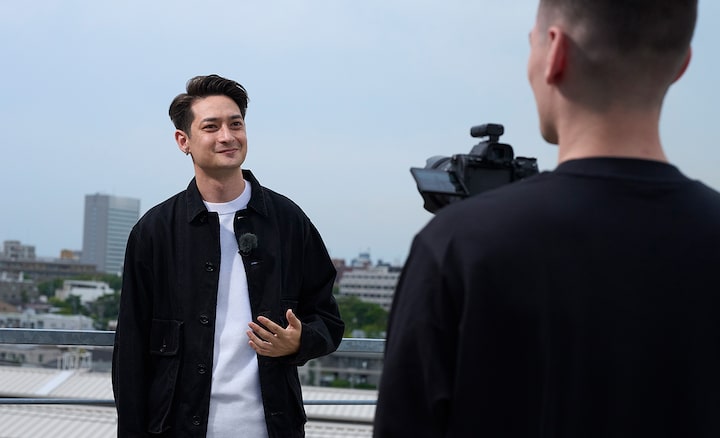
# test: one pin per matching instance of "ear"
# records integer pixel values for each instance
(181, 139)
(684, 65)
(556, 61)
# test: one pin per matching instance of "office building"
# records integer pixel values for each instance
(108, 221)
(15, 250)
(372, 284)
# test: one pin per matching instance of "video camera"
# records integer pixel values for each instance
(488, 165)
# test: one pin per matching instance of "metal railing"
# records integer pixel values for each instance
(98, 338)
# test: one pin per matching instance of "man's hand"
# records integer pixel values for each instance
(273, 340)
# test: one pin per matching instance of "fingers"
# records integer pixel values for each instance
(271, 339)
(261, 332)
(260, 346)
(293, 320)
(269, 326)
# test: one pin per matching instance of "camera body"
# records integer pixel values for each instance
(488, 165)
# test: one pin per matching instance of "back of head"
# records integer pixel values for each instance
(626, 46)
(200, 87)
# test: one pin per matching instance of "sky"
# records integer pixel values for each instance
(345, 97)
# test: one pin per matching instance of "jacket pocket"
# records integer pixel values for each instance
(165, 344)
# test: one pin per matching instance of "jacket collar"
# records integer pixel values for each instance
(196, 208)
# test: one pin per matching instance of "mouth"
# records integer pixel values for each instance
(228, 151)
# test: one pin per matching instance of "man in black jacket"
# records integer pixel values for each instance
(581, 302)
(227, 288)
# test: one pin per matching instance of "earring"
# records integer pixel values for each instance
(187, 151)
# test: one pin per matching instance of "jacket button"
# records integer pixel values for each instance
(209, 267)
(201, 369)
(204, 320)
(196, 420)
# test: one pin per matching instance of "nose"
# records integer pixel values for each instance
(224, 134)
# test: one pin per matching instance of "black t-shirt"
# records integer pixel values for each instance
(582, 302)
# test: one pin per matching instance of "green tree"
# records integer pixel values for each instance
(49, 287)
(105, 309)
(359, 315)
(70, 306)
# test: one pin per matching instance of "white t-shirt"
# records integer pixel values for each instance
(236, 407)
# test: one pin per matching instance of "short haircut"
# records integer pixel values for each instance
(628, 48)
(633, 25)
(200, 87)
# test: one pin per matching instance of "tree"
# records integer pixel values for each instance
(105, 309)
(359, 315)
(70, 306)
(49, 287)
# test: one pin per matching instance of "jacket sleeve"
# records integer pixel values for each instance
(131, 348)
(322, 328)
(416, 390)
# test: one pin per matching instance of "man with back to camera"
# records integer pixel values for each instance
(227, 288)
(581, 302)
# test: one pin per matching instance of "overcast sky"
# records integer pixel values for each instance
(345, 96)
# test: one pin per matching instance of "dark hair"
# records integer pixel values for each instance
(204, 86)
(631, 26)
(625, 50)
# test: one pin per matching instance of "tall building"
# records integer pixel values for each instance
(108, 221)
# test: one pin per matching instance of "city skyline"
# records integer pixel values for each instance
(345, 97)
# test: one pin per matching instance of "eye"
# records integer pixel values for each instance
(209, 127)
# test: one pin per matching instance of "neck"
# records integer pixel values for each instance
(624, 133)
(220, 188)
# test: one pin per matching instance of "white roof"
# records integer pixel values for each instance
(74, 421)
(57, 421)
(70, 421)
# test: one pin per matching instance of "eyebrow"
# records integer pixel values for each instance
(215, 119)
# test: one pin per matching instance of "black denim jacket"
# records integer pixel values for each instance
(162, 361)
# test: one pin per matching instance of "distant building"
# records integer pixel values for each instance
(30, 319)
(70, 254)
(108, 221)
(15, 289)
(372, 284)
(340, 267)
(15, 250)
(43, 269)
(88, 291)
(60, 357)
(362, 261)
(35, 355)
(7, 307)
(360, 370)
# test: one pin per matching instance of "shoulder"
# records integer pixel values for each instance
(281, 202)
(276, 205)
(705, 194)
(493, 218)
(266, 200)
(162, 213)
(500, 205)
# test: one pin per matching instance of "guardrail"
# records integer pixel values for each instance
(99, 338)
